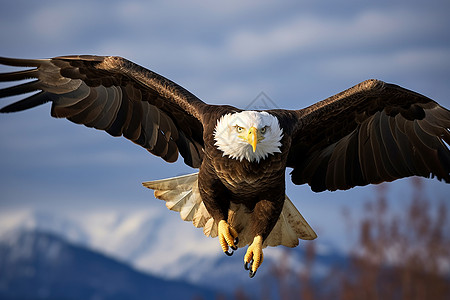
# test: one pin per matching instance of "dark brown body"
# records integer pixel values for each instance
(260, 186)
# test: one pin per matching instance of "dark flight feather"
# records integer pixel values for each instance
(115, 95)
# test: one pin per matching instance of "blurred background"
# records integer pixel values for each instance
(75, 222)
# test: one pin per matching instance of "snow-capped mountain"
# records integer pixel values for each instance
(36, 265)
(155, 242)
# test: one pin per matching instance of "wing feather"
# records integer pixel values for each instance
(370, 133)
(390, 149)
(106, 114)
(87, 109)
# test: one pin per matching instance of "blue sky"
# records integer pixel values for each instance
(296, 52)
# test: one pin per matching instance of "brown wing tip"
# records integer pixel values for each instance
(19, 62)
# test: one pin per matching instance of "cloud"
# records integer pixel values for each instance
(325, 34)
(418, 61)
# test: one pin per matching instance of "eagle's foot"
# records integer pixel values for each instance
(228, 237)
(254, 256)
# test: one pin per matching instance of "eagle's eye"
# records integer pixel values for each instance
(239, 129)
(263, 130)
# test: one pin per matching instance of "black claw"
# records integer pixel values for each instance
(248, 265)
(234, 248)
(229, 253)
(236, 241)
(251, 274)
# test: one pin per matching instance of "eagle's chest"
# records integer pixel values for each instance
(243, 178)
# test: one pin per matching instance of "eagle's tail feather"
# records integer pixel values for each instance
(290, 227)
(181, 194)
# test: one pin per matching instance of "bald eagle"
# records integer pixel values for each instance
(370, 133)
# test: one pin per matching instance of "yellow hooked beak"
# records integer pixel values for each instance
(252, 137)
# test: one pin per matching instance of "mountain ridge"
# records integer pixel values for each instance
(159, 244)
(40, 265)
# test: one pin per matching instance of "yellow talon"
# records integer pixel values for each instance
(227, 237)
(254, 256)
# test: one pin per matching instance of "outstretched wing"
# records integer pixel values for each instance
(370, 133)
(115, 95)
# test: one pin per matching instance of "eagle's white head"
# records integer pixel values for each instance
(251, 135)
